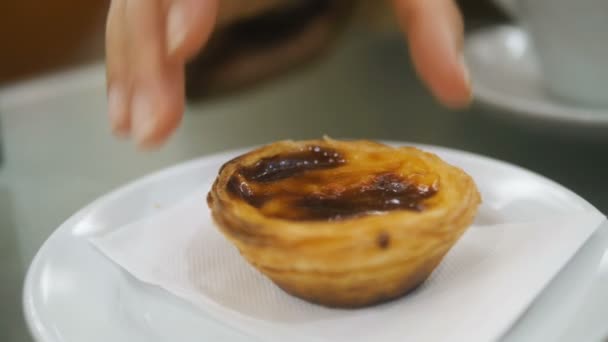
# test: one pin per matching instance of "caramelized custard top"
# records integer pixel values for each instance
(318, 183)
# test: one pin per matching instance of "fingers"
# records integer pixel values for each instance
(157, 107)
(434, 31)
(117, 66)
(189, 24)
(157, 99)
(145, 68)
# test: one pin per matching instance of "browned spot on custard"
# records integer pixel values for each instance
(317, 184)
(284, 166)
(385, 192)
(384, 240)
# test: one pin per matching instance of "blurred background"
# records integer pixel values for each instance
(40, 37)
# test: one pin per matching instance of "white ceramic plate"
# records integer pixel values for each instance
(505, 75)
(73, 293)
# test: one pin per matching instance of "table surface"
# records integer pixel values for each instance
(57, 153)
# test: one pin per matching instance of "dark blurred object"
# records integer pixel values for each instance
(38, 36)
(247, 49)
(270, 37)
(480, 13)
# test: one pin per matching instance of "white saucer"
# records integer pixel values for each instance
(505, 75)
(73, 293)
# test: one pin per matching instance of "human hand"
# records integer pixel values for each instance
(148, 43)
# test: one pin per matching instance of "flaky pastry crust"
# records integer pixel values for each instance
(343, 223)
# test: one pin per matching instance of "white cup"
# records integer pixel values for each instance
(570, 39)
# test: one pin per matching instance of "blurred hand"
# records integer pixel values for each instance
(149, 41)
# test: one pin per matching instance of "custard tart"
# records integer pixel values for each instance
(343, 223)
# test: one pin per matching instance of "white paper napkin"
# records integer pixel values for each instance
(485, 282)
